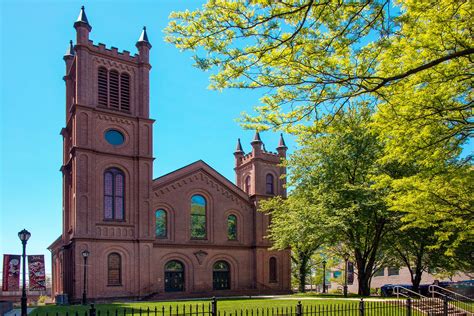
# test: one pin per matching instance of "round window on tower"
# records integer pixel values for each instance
(114, 137)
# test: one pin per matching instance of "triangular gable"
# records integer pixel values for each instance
(194, 167)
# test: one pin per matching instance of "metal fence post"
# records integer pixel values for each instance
(92, 310)
(408, 306)
(299, 309)
(445, 306)
(214, 306)
(361, 307)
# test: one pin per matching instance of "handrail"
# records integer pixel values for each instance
(432, 290)
(397, 288)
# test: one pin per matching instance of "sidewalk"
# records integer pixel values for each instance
(17, 312)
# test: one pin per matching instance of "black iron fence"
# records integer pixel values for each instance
(383, 307)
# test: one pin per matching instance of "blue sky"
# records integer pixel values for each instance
(192, 122)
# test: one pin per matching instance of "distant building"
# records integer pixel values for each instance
(189, 231)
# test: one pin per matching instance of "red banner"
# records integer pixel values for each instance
(36, 273)
(11, 273)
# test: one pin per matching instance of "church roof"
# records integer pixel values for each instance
(194, 167)
(82, 19)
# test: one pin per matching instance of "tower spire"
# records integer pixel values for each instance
(238, 149)
(143, 39)
(69, 51)
(282, 144)
(256, 138)
(82, 19)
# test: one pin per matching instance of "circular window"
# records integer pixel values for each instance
(114, 137)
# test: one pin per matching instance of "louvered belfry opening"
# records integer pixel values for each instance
(125, 92)
(114, 89)
(102, 83)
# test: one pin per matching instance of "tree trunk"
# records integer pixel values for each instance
(417, 280)
(303, 268)
(363, 279)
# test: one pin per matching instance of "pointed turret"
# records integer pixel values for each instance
(82, 27)
(69, 51)
(144, 46)
(256, 144)
(238, 149)
(281, 149)
(82, 19)
(256, 138)
(238, 153)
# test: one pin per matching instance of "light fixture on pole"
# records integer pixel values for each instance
(24, 235)
(85, 255)
(346, 259)
(324, 276)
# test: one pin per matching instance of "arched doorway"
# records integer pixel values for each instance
(174, 276)
(221, 276)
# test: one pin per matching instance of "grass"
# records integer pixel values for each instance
(229, 306)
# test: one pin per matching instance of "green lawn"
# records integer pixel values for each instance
(280, 306)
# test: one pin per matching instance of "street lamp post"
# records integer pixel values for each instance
(85, 254)
(324, 276)
(346, 259)
(24, 235)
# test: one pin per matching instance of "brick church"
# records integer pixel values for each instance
(191, 231)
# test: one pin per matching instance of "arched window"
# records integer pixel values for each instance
(221, 276)
(247, 184)
(114, 269)
(273, 270)
(174, 276)
(103, 86)
(198, 217)
(114, 89)
(269, 184)
(124, 92)
(161, 220)
(232, 227)
(114, 189)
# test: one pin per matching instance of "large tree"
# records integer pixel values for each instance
(335, 169)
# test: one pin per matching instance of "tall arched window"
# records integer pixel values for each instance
(269, 184)
(114, 269)
(114, 192)
(273, 276)
(221, 276)
(198, 217)
(161, 220)
(174, 276)
(247, 184)
(232, 227)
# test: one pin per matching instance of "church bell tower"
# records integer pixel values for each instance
(107, 170)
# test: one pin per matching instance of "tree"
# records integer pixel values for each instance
(295, 224)
(415, 249)
(411, 58)
(335, 170)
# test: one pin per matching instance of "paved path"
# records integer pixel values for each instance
(17, 312)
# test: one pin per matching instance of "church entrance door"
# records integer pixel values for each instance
(174, 276)
(221, 276)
